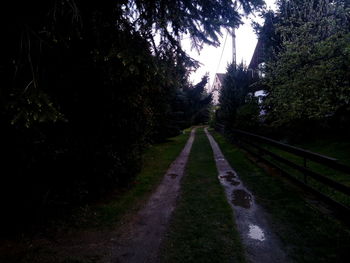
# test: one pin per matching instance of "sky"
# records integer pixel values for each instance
(209, 56)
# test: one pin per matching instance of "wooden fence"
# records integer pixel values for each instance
(273, 152)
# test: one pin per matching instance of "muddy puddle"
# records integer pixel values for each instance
(242, 198)
(230, 178)
(261, 244)
(172, 175)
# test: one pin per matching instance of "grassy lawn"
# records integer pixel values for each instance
(308, 235)
(202, 228)
(333, 148)
(109, 211)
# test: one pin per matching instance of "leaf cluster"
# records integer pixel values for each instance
(308, 78)
(237, 104)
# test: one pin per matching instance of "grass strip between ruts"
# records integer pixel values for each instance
(202, 228)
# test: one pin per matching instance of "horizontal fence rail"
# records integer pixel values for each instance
(322, 159)
(253, 144)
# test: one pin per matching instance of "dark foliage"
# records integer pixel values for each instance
(237, 105)
(307, 70)
(305, 74)
(85, 89)
(198, 102)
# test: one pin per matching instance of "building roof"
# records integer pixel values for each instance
(221, 77)
(258, 56)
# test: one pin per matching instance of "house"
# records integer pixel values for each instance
(256, 67)
(257, 62)
(218, 82)
(219, 77)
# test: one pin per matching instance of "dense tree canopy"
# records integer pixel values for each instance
(237, 105)
(307, 78)
(87, 86)
(202, 20)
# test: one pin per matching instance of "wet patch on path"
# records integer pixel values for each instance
(255, 232)
(230, 177)
(140, 239)
(261, 244)
(173, 175)
(242, 198)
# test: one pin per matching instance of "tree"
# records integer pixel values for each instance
(237, 98)
(202, 20)
(308, 79)
(198, 102)
(86, 88)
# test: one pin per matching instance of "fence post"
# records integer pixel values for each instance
(305, 175)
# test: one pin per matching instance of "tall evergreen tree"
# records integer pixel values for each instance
(236, 93)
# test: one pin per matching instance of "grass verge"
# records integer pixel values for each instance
(333, 149)
(95, 223)
(108, 211)
(337, 147)
(202, 228)
(157, 160)
(308, 235)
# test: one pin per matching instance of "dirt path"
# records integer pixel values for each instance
(260, 242)
(139, 241)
